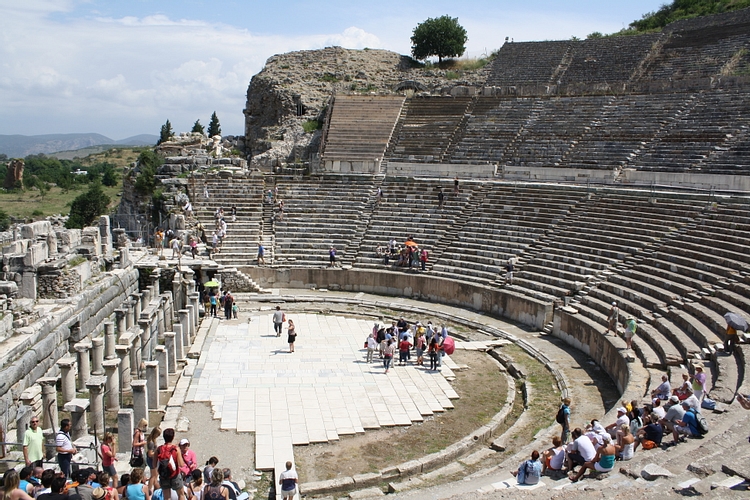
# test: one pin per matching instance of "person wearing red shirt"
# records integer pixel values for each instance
(403, 350)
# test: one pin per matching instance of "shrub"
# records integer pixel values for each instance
(311, 126)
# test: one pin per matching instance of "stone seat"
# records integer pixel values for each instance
(573, 258)
(709, 317)
(662, 293)
(600, 240)
(652, 274)
(538, 267)
(683, 266)
(737, 295)
(451, 271)
(612, 256)
(702, 259)
(632, 304)
(703, 335)
(550, 290)
(488, 247)
(731, 251)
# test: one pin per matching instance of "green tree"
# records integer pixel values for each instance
(166, 133)
(4, 220)
(148, 163)
(441, 37)
(682, 9)
(110, 177)
(198, 128)
(213, 127)
(86, 208)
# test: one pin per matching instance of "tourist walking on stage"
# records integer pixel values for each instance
(291, 335)
(228, 302)
(288, 481)
(434, 351)
(278, 320)
(64, 446)
(213, 301)
(388, 352)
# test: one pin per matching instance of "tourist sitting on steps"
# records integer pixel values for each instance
(529, 471)
(604, 461)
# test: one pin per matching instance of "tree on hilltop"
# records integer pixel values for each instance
(213, 127)
(441, 37)
(166, 133)
(198, 128)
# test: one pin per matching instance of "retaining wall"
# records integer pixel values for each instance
(507, 304)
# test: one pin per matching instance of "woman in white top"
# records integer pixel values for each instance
(554, 458)
(625, 443)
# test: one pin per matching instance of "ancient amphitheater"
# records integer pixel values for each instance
(610, 170)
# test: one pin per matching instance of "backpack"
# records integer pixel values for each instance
(560, 417)
(701, 420)
(167, 461)
(213, 493)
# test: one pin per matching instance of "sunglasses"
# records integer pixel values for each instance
(35, 421)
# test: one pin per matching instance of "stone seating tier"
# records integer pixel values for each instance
(526, 62)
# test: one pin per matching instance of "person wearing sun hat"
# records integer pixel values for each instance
(698, 380)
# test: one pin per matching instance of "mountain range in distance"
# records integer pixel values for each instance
(19, 146)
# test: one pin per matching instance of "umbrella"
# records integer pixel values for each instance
(411, 243)
(211, 284)
(736, 321)
(449, 345)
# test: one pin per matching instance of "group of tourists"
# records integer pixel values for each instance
(279, 318)
(597, 446)
(404, 337)
(408, 255)
(213, 301)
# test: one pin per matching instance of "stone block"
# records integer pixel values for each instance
(410, 483)
(36, 254)
(367, 493)
(35, 229)
(368, 479)
(330, 486)
(652, 472)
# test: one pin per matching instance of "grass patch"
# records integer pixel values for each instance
(330, 78)
(311, 126)
(77, 260)
(265, 487)
(31, 204)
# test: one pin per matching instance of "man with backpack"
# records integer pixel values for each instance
(169, 464)
(692, 424)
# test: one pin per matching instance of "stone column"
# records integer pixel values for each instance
(95, 386)
(159, 318)
(130, 316)
(176, 291)
(140, 399)
(123, 355)
(179, 342)
(185, 322)
(154, 280)
(112, 372)
(169, 345)
(152, 383)
(121, 320)
(97, 355)
(135, 356)
(125, 430)
(145, 299)
(77, 408)
(168, 312)
(161, 358)
(193, 326)
(110, 340)
(137, 305)
(195, 301)
(84, 363)
(145, 329)
(67, 366)
(23, 418)
(49, 402)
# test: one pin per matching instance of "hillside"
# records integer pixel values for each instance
(19, 146)
(685, 9)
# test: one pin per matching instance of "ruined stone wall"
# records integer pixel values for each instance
(45, 341)
(59, 286)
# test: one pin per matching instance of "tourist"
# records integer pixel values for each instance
(509, 272)
(188, 458)
(167, 483)
(136, 490)
(441, 197)
(233, 211)
(235, 309)
(83, 488)
(232, 487)
(159, 242)
(110, 491)
(23, 477)
(420, 345)
(215, 490)
(622, 418)
(33, 444)
(151, 460)
(122, 488)
(211, 464)
(261, 254)
(195, 488)
(281, 210)
(372, 344)
(563, 418)
(674, 414)
(139, 443)
(188, 208)
(378, 195)
(580, 451)
(332, 256)
(603, 461)
(214, 302)
(205, 189)
(650, 435)
(687, 425)
(175, 244)
(554, 458)
(657, 409)
(625, 447)
(278, 320)
(423, 259)
(630, 327)
(730, 340)
(108, 456)
(434, 351)
(288, 481)
(11, 490)
(227, 303)
(403, 349)
(390, 349)
(664, 390)
(291, 335)
(455, 186)
(193, 246)
(613, 319)
(685, 388)
(529, 471)
(64, 447)
(698, 381)
(215, 242)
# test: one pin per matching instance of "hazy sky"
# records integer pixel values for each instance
(122, 68)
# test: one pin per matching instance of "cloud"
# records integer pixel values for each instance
(127, 75)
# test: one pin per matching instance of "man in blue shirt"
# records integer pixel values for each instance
(688, 426)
